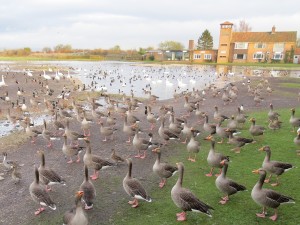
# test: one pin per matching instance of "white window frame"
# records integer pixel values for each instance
(260, 45)
(258, 55)
(278, 47)
(280, 54)
(241, 45)
(207, 56)
(244, 56)
(197, 56)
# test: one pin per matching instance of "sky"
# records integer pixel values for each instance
(131, 24)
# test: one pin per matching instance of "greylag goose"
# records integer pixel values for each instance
(70, 151)
(232, 123)
(226, 185)
(110, 120)
(214, 159)
(193, 146)
(163, 170)
(48, 176)
(174, 127)
(16, 175)
(238, 141)
(115, 157)
(267, 197)
(256, 130)
(107, 131)
(141, 144)
(219, 116)
(58, 125)
(85, 125)
(199, 114)
(8, 164)
(134, 188)
(94, 161)
(294, 121)
(297, 141)
(129, 129)
(221, 132)
(209, 128)
(273, 115)
(274, 167)
(185, 199)
(165, 133)
(76, 215)
(40, 195)
(47, 135)
(186, 131)
(240, 117)
(275, 124)
(31, 132)
(89, 191)
(189, 106)
(72, 135)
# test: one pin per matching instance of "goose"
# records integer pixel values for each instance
(273, 115)
(2, 82)
(165, 133)
(47, 135)
(16, 175)
(193, 146)
(218, 116)
(31, 132)
(297, 141)
(19, 92)
(294, 121)
(199, 114)
(72, 135)
(275, 124)
(274, 167)
(64, 113)
(189, 106)
(86, 125)
(241, 118)
(151, 118)
(58, 125)
(111, 121)
(186, 131)
(141, 144)
(163, 170)
(129, 129)
(258, 99)
(221, 132)
(48, 176)
(238, 141)
(226, 185)
(107, 131)
(94, 161)
(33, 101)
(185, 199)
(134, 188)
(89, 191)
(209, 128)
(267, 197)
(175, 127)
(232, 123)
(76, 215)
(40, 195)
(8, 164)
(24, 107)
(115, 157)
(214, 159)
(70, 151)
(256, 130)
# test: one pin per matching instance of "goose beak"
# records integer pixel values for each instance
(255, 171)
(261, 149)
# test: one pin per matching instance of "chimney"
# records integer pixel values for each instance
(273, 29)
(191, 45)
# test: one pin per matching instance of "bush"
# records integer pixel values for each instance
(151, 57)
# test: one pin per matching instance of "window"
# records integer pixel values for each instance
(223, 52)
(260, 45)
(223, 44)
(241, 45)
(197, 56)
(258, 55)
(222, 56)
(277, 56)
(207, 56)
(278, 47)
(240, 56)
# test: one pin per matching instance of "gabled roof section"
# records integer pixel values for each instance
(288, 36)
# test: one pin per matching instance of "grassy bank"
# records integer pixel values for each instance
(241, 208)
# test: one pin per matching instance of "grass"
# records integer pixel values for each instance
(241, 208)
(290, 85)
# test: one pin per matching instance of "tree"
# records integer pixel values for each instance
(46, 50)
(170, 45)
(63, 48)
(298, 42)
(116, 49)
(243, 27)
(205, 42)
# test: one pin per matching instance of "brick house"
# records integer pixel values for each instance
(200, 56)
(272, 46)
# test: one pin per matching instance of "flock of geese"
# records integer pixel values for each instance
(66, 113)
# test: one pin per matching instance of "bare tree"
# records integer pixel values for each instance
(243, 27)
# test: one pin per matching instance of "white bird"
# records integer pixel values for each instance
(2, 82)
(57, 77)
(46, 76)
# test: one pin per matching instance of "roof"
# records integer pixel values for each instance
(288, 36)
(297, 51)
(226, 23)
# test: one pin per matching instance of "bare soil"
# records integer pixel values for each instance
(17, 207)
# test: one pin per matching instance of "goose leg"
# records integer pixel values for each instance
(138, 155)
(274, 217)
(143, 156)
(210, 173)
(95, 176)
(277, 182)
(218, 174)
(78, 158)
(268, 180)
(70, 161)
(263, 214)
(182, 217)
(37, 212)
(224, 200)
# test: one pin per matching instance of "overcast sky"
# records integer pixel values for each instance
(90, 24)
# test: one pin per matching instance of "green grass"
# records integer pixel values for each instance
(290, 85)
(241, 208)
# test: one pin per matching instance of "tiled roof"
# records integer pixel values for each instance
(289, 36)
(226, 23)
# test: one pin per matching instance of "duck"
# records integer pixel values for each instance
(256, 130)
(273, 115)
(70, 151)
(134, 188)
(274, 167)
(76, 215)
(267, 197)
(238, 141)
(226, 185)
(163, 170)
(214, 159)
(294, 121)
(48, 176)
(107, 131)
(94, 161)
(40, 195)
(193, 146)
(115, 157)
(209, 128)
(89, 191)
(184, 199)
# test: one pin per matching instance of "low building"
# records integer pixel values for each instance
(201, 56)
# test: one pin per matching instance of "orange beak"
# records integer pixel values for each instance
(255, 171)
